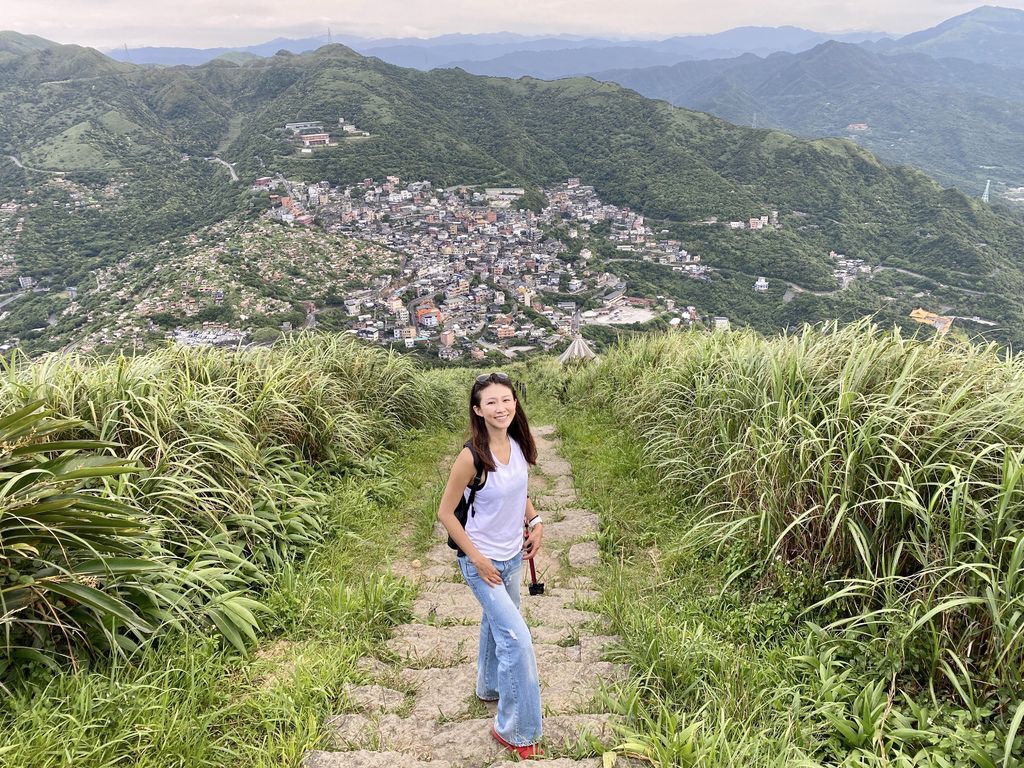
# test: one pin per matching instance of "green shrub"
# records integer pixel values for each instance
(224, 450)
(889, 467)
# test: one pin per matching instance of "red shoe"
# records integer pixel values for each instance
(526, 752)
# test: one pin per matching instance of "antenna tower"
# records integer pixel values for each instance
(329, 38)
(984, 195)
(126, 56)
(754, 125)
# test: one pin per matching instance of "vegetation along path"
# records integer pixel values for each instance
(421, 705)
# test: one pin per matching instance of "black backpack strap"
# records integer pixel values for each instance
(477, 479)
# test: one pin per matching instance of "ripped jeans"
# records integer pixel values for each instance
(506, 666)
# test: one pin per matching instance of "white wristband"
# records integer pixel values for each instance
(533, 522)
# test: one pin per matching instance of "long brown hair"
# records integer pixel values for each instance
(518, 430)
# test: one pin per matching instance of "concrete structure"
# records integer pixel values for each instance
(577, 351)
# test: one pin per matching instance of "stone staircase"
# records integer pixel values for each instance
(421, 708)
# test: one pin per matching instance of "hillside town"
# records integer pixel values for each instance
(479, 272)
(457, 271)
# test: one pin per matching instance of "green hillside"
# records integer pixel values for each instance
(802, 550)
(959, 121)
(677, 167)
(16, 44)
(989, 34)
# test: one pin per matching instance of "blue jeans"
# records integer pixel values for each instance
(506, 666)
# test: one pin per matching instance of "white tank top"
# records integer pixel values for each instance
(497, 527)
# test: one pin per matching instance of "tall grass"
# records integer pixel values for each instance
(891, 469)
(225, 448)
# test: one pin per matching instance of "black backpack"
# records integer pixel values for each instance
(465, 507)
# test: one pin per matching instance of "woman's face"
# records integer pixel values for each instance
(497, 406)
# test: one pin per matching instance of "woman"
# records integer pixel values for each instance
(492, 553)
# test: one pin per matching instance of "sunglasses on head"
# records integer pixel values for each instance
(497, 376)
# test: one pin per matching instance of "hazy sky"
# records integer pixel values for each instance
(202, 24)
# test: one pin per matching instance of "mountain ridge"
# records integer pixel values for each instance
(918, 110)
(680, 168)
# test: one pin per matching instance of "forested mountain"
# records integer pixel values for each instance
(15, 44)
(680, 168)
(989, 35)
(961, 121)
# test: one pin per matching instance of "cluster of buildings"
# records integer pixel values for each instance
(259, 273)
(767, 221)
(10, 232)
(478, 271)
(755, 223)
(312, 133)
(847, 270)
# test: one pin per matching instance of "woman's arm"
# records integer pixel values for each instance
(533, 538)
(462, 474)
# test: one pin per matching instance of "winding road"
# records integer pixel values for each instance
(229, 166)
(930, 279)
(18, 163)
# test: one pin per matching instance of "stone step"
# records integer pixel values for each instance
(555, 499)
(419, 572)
(374, 698)
(363, 758)
(584, 555)
(443, 646)
(451, 602)
(567, 762)
(462, 744)
(552, 614)
(570, 530)
(566, 687)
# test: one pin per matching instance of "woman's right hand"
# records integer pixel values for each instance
(486, 570)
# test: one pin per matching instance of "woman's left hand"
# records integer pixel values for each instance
(531, 546)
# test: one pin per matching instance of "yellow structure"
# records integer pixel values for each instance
(940, 323)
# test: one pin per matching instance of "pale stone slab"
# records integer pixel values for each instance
(425, 573)
(584, 555)
(594, 647)
(365, 759)
(550, 653)
(562, 762)
(442, 645)
(570, 530)
(374, 698)
(371, 665)
(555, 466)
(549, 613)
(351, 731)
(447, 602)
(566, 687)
(552, 501)
(461, 743)
(442, 693)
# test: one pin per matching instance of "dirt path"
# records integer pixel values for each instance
(419, 707)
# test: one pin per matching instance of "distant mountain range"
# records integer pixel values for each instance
(961, 121)
(988, 35)
(500, 53)
(945, 99)
(131, 143)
